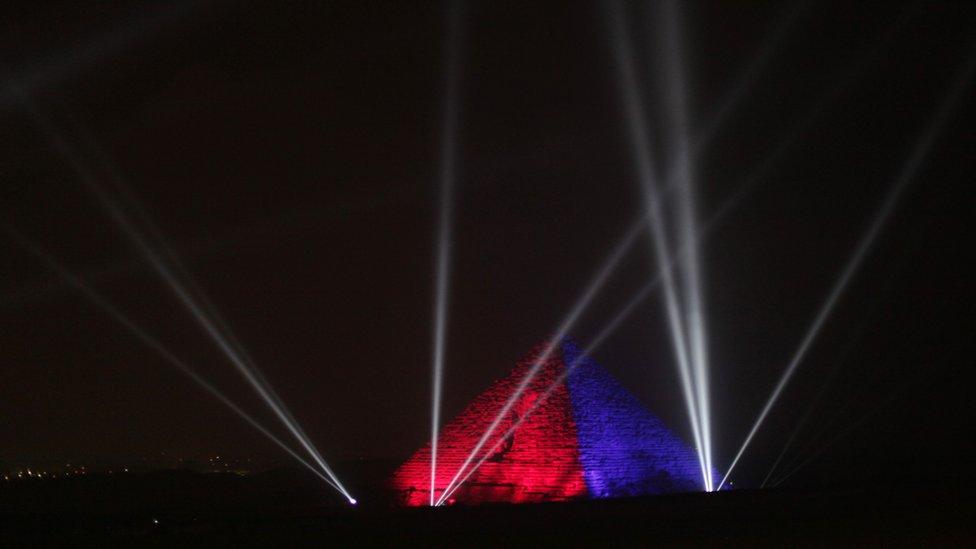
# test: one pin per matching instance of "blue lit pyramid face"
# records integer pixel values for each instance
(624, 449)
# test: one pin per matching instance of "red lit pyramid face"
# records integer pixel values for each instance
(568, 436)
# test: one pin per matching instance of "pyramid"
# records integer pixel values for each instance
(590, 438)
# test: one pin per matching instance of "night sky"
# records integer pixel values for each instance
(289, 153)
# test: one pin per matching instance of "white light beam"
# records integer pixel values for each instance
(101, 302)
(684, 173)
(180, 290)
(906, 175)
(850, 428)
(643, 157)
(446, 180)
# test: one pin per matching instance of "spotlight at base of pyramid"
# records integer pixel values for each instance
(591, 438)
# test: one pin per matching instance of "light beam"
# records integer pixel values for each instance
(56, 68)
(446, 180)
(181, 291)
(105, 305)
(906, 175)
(850, 428)
(689, 247)
(751, 73)
(841, 359)
(644, 159)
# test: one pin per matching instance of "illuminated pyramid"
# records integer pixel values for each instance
(590, 438)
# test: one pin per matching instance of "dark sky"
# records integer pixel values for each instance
(289, 152)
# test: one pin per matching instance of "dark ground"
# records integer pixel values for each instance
(283, 508)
